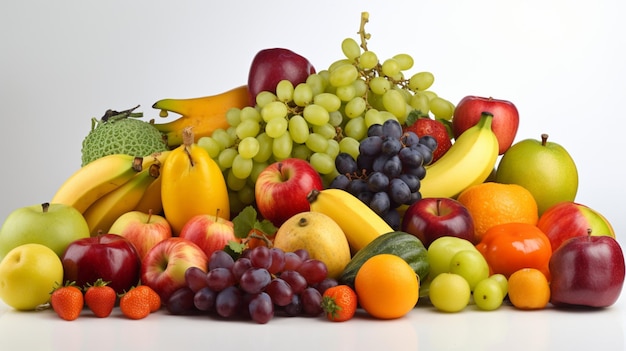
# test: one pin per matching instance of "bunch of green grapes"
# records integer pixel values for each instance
(316, 120)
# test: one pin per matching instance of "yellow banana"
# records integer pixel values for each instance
(469, 161)
(94, 180)
(203, 114)
(359, 223)
(102, 213)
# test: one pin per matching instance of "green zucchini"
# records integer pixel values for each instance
(402, 244)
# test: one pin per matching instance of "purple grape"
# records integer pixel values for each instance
(371, 146)
(220, 278)
(294, 308)
(377, 181)
(181, 302)
(297, 282)
(393, 218)
(261, 308)
(341, 181)
(311, 302)
(204, 299)
(278, 260)
(254, 280)
(195, 278)
(325, 284)
(292, 261)
(345, 164)
(375, 129)
(220, 258)
(228, 302)
(399, 191)
(304, 254)
(241, 265)
(392, 167)
(391, 146)
(410, 158)
(280, 292)
(392, 128)
(380, 203)
(261, 257)
(313, 271)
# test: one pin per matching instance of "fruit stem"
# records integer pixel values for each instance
(544, 139)
(187, 142)
(312, 196)
(485, 120)
(45, 206)
(365, 17)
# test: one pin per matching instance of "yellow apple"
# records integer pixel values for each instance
(28, 273)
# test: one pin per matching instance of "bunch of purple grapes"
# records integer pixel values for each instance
(388, 170)
(257, 285)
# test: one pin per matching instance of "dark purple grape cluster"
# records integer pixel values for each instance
(388, 170)
(257, 285)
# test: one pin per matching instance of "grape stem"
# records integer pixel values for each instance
(365, 17)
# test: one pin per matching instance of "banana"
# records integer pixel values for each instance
(359, 223)
(203, 114)
(469, 161)
(102, 213)
(94, 180)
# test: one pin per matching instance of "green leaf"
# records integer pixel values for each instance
(244, 222)
(413, 116)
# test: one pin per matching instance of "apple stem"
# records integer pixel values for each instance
(589, 230)
(45, 206)
(149, 216)
(544, 139)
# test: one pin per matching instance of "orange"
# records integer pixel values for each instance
(529, 289)
(492, 203)
(386, 286)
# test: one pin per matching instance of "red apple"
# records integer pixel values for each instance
(587, 271)
(281, 189)
(210, 233)
(435, 128)
(569, 219)
(142, 229)
(505, 118)
(270, 66)
(109, 257)
(431, 218)
(163, 268)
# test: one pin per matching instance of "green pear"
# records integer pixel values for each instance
(545, 168)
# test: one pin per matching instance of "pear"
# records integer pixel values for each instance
(543, 167)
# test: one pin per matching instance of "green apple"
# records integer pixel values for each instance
(28, 273)
(53, 225)
(442, 250)
(543, 167)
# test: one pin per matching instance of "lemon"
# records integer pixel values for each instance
(319, 235)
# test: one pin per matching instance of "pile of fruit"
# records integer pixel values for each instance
(313, 193)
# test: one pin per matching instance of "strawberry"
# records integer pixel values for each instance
(134, 304)
(433, 127)
(339, 303)
(100, 298)
(153, 298)
(67, 301)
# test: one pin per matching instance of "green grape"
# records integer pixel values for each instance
(315, 114)
(282, 146)
(222, 138)
(301, 151)
(250, 113)
(350, 48)
(421, 81)
(368, 60)
(265, 97)
(236, 205)
(325, 130)
(355, 107)
(333, 148)
(394, 102)
(257, 168)
(317, 83)
(419, 101)
(471, 265)
(390, 67)
(322, 163)
(265, 148)
(356, 128)
(343, 75)
(247, 128)
(488, 295)
(248, 147)
(345, 92)
(449, 292)
(276, 127)
(232, 134)
(242, 167)
(386, 115)
(246, 195)
(379, 85)
(233, 116)
(336, 64)
(349, 146)
(302, 94)
(430, 94)
(335, 118)
(210, 145)
(502, 281)
(441, 108)
(298, 128)
(329, 101)
(360, 87)
(274, 109)
(324, 74)
(316, 142)
(405, 61)
(233, 182)
(284, 90)
(226, 157)
(373, 116)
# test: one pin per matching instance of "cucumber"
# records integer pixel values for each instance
(402, 244)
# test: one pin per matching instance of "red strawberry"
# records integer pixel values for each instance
(154, 300)
(435, 128)
(67, 301)
(100, 298)
(134, 304)
(339, 303)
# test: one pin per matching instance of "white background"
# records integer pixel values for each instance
(561, 62)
